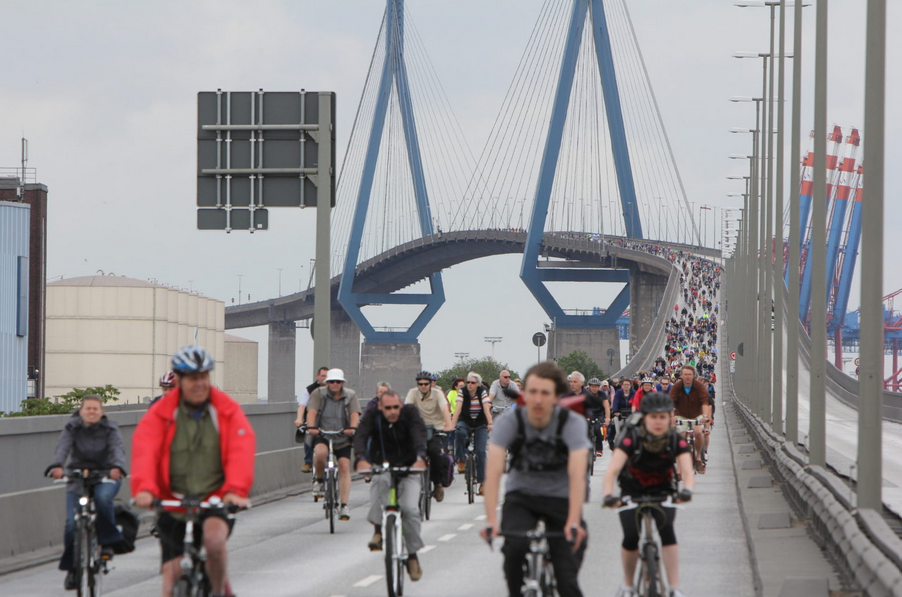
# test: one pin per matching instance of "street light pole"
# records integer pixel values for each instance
(870, 410)
(817, 436)
(777, 419)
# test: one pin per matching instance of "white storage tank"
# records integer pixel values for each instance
(121, 331)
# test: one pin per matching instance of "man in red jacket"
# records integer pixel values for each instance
(196, 441)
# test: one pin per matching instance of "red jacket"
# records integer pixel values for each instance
(153, 436)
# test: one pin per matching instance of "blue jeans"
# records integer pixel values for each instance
(107, 533)
(482, 436)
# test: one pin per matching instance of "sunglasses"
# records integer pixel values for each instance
(334, 381)
(423, 383)
(473, 382)
(395, 407)
(505, 377)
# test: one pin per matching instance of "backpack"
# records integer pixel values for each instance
(535, 456)
(631, 427)
(127, 523)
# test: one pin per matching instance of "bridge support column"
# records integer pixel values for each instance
(345, 349)
(282, 358)
(646, 294)
(602, 346)
(394, 362)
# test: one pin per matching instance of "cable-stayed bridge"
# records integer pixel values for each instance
(577, 150)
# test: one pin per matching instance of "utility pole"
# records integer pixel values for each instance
(493, 340)
(239, 287)
(280, 281)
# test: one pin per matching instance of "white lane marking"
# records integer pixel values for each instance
(480, 517)
(368, 580)
(465, 527)
(426, 548)
(447, 537)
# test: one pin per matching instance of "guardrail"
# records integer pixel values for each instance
(32, 511)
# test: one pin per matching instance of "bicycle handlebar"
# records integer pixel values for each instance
(213, 503)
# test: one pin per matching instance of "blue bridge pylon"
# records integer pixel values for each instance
(394, 77)
(533, 276)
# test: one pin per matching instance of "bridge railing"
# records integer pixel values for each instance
(32, 511)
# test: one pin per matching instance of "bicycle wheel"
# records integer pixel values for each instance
(182, 587)
(388, 544)
(83, 558)
(471, 478)
(427, 492)
(652, 580)
(95, 576)
(592, 463)
(331, 501)
(548, 583)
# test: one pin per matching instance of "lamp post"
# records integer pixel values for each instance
(493, 340)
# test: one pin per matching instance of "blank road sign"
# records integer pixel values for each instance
(257, 150)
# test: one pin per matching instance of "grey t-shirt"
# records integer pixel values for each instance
(501, 400)
(548, 484)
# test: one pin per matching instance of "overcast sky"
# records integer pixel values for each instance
(105, 92)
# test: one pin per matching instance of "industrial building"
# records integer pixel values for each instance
(15, 218)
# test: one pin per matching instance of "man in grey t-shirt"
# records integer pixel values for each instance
(503, 392)
(549, 460)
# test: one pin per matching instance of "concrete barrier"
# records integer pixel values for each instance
(32, 510)
(860, 540)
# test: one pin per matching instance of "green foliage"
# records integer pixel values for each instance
(579, 360)
(487, 367)
(67, 402)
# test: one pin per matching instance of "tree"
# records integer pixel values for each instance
(67, 402)
(579, 360)
(487, 367)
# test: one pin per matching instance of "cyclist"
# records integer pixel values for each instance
(664, 384)
(395, 434)
(197, 441)
(643, 463)
(621, 407)
(549, 455)
(303, 399)
(598, 405)
(504, 393)
(473, 410)
(331, 408)
(577, 383)
(433, 408)
(90, 441)
(646, 387)
(690, 399)
(167, 382)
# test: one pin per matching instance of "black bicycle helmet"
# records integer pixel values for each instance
(192, 359)
(425, 375)
(656, 402)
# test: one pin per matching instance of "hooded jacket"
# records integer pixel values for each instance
(96, 447)
(153, 437)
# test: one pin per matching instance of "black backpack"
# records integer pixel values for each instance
(127, 523)
(631, 429)
(539, 456)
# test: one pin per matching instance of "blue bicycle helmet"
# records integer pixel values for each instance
(192, 359)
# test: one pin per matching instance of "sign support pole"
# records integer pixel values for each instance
(322, 299)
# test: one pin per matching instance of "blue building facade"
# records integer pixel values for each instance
(14, 237)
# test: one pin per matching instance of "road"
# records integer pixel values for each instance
(284, 549)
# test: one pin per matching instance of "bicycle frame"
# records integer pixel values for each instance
(538, 577)
(650, 578)
(89, 570)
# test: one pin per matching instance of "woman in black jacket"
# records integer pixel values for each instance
(90, 441)
(474, 411)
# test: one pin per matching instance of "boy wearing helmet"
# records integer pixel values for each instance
(643, 463)
(195, 441)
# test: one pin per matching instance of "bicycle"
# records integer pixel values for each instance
(538, 571)
(593, 454)
(193, 580)
(426, 493)
(91, 564)
(392, 529)
(649, 582)
(330, 477)
(690, 425)
(470, 469)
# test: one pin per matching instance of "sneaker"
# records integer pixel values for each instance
(414, 570)
(625, 591)
(480, 492)
(319, 489)
(344, 513)
(71, 582)
(307, 468)
(438, 492)
(461, 466)
(375, 543)
(675, 593)
(700, 467)
(599, 453)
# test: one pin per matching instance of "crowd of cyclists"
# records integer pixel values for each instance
(543, 431)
